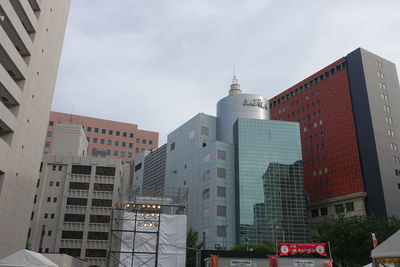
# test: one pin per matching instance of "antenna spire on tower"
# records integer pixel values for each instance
(235, 80)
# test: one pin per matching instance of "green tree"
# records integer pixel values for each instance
(265, 247)
(350, 237)
(192, 246)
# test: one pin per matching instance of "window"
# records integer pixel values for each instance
(78, 186)
(68, 217)
(105, 171)
(48, 199)
(350, 206)
(150, 142)
(109, 142)
(221, 211)
(103, 131)
(110, 132)
(101, 202)
(390, 132)
(96, 130)
(35, 198)
(386, 108)
(89, 129)
(124, 134)
(314, 213)
(54, 199)
(221, 191)
(137, 150)
(99, 219)
(97, 236)
(49, 133)
(384, 97)
(138, 140)
(95, 140)
(320, 122)
(49, 233)
(38, 183)
(204, 131)
(131, 135)
(123, 144)
(32, 215)
(118, 133)
(206, 212)
(60, 168)
(102, 141)
(77, 201)
(339, 208)
(206, 157)
(221, 230)
(51, 182)
(122, 154)
(138, 166)
(103, 187)
(393, 146)
(130, 145)
(206, 193)
(71, 234)
(129, 154)
(46, 215)
(96, 253)
(206, 175)
(52, 216)
(221, 172)
(326, 170)
(75, 252)
(51, 123)
(144, 141)
(172, 146)
(116, 143)
(47, 144)
(388, 120)
(54, 167)
(81, 169)
(221, 154)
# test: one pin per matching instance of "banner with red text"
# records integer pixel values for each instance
(301, 248)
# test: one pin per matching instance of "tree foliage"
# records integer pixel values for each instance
(192, 246)
(350, 237)
(265, 247)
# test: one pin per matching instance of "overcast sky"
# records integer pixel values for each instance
(157, 63)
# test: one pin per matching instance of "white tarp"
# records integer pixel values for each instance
(26, 258)
(389, 248)
(172, 240)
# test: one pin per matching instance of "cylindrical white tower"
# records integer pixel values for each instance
(237, 105)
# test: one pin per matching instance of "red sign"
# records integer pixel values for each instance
(301, 248)
(374, 241)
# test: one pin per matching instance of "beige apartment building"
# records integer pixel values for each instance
(31, 38)
(74, 198)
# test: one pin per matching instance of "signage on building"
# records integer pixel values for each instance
(303, 263)
(301, 248)
(241, 263)
(255, 102)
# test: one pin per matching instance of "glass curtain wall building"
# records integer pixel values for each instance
(270, 196)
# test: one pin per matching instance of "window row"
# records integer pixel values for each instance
(314, 125)
(221, 192)
(325, 170)
(309, 84)
(83, 202)
(299, 110)
(315, 135)
(76, 252)
(317, 147)
(102, 141)
(79, 235)
(87, 169)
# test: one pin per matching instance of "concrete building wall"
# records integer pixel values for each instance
(31, 38)
(109, 138)
(73, 203)
(70, 140)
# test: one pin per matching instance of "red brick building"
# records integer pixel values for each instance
(106, 138)
(339, 108)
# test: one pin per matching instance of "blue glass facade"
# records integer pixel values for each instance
(270, 196)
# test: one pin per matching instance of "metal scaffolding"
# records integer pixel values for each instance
(138, 221)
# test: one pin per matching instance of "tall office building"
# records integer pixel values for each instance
(349, 120)
(74, 198)
(230, 165)
(31, 38)
(106, 138)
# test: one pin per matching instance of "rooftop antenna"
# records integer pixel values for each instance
(234, 78)
(70, 116)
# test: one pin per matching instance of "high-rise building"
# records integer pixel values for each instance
(231, 165)
(106, 138)
(31, 38)
(349, 121)
(74, 197)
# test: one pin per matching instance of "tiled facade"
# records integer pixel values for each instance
(31, 39)
(349, 133)
(106, 138)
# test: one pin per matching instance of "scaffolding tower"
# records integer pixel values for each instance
(135, 224)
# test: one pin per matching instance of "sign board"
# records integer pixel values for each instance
(303, 263)
(300, 248)
(241, 263)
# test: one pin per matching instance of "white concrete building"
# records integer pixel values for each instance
(74, 198)
(31, 38)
